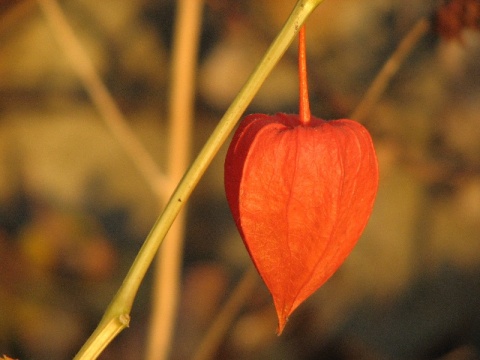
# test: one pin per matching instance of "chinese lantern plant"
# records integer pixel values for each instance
(301, 190)
(331, 194)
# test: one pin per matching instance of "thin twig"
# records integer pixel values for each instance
(389, 69)
(215, 334)
(113, 117)
(168, 266)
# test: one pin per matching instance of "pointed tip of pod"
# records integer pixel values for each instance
(282, 315)
(282, 321)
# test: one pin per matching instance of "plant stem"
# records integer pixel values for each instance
(304, 106)
(104, 102)
(122, 302)
(166, 287)
(389, 69)
(227, 314)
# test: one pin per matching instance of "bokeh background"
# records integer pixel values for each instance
(74, 210)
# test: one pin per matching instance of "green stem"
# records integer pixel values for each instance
(121, 304)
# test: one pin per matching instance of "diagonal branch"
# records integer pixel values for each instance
(389, 69)
(106, 105)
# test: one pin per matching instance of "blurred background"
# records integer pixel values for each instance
(74, 210)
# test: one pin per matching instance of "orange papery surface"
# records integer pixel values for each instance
(301, 195)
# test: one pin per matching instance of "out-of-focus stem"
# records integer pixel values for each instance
(106, 105)
(167, 270)
(389, 69)
(242, 292)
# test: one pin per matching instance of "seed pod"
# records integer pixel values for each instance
(300, 196)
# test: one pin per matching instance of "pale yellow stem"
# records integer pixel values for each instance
(213, 337)
(167, 270)
(106, 105)
(389, 69)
